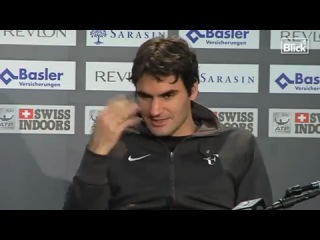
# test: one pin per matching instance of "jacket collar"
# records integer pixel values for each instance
(208, 122)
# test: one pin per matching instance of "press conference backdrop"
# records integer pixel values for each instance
(53, 83)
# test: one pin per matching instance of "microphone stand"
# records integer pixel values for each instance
(288, 202)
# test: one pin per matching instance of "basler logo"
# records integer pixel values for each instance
(294, 79)
(248, 39)
(23, 74)
(51, 75)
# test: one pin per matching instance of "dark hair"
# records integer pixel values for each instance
(166, 56)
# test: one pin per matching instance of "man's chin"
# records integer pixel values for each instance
(159, 132)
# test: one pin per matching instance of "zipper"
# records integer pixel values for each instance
(172, 187)
(172, 175)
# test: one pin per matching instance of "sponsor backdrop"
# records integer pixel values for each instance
(53, 83)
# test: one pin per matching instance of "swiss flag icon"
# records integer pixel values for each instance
(302, 117)
(25, 113)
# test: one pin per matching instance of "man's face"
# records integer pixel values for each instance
(165, 106)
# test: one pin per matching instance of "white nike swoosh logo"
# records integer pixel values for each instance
(138, 158)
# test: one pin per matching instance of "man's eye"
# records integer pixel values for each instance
(168, 96)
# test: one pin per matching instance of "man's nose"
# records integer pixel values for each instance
(155, 108)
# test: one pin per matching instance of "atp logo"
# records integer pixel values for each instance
(7, 118)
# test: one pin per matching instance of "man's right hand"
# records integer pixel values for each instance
(117, 115)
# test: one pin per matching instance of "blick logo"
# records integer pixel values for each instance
(295, 46)
(195, 35)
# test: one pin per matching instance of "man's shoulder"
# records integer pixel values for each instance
(241, 133)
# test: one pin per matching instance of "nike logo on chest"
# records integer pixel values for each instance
(131, 159)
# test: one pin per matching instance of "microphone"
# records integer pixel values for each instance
(255, 204)
(293, 200)
(294, 195)
(297, 189)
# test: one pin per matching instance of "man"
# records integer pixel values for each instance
(164, 150)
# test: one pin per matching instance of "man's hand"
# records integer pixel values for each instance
(118, 114)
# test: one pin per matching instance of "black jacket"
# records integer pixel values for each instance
(216, 168)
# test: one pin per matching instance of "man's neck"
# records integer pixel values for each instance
(188, 129)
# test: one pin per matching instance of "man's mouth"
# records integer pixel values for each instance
(159, 122)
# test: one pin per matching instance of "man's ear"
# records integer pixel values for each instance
(194, 91)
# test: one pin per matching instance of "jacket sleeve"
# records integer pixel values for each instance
(255, 181)
(89, 188)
